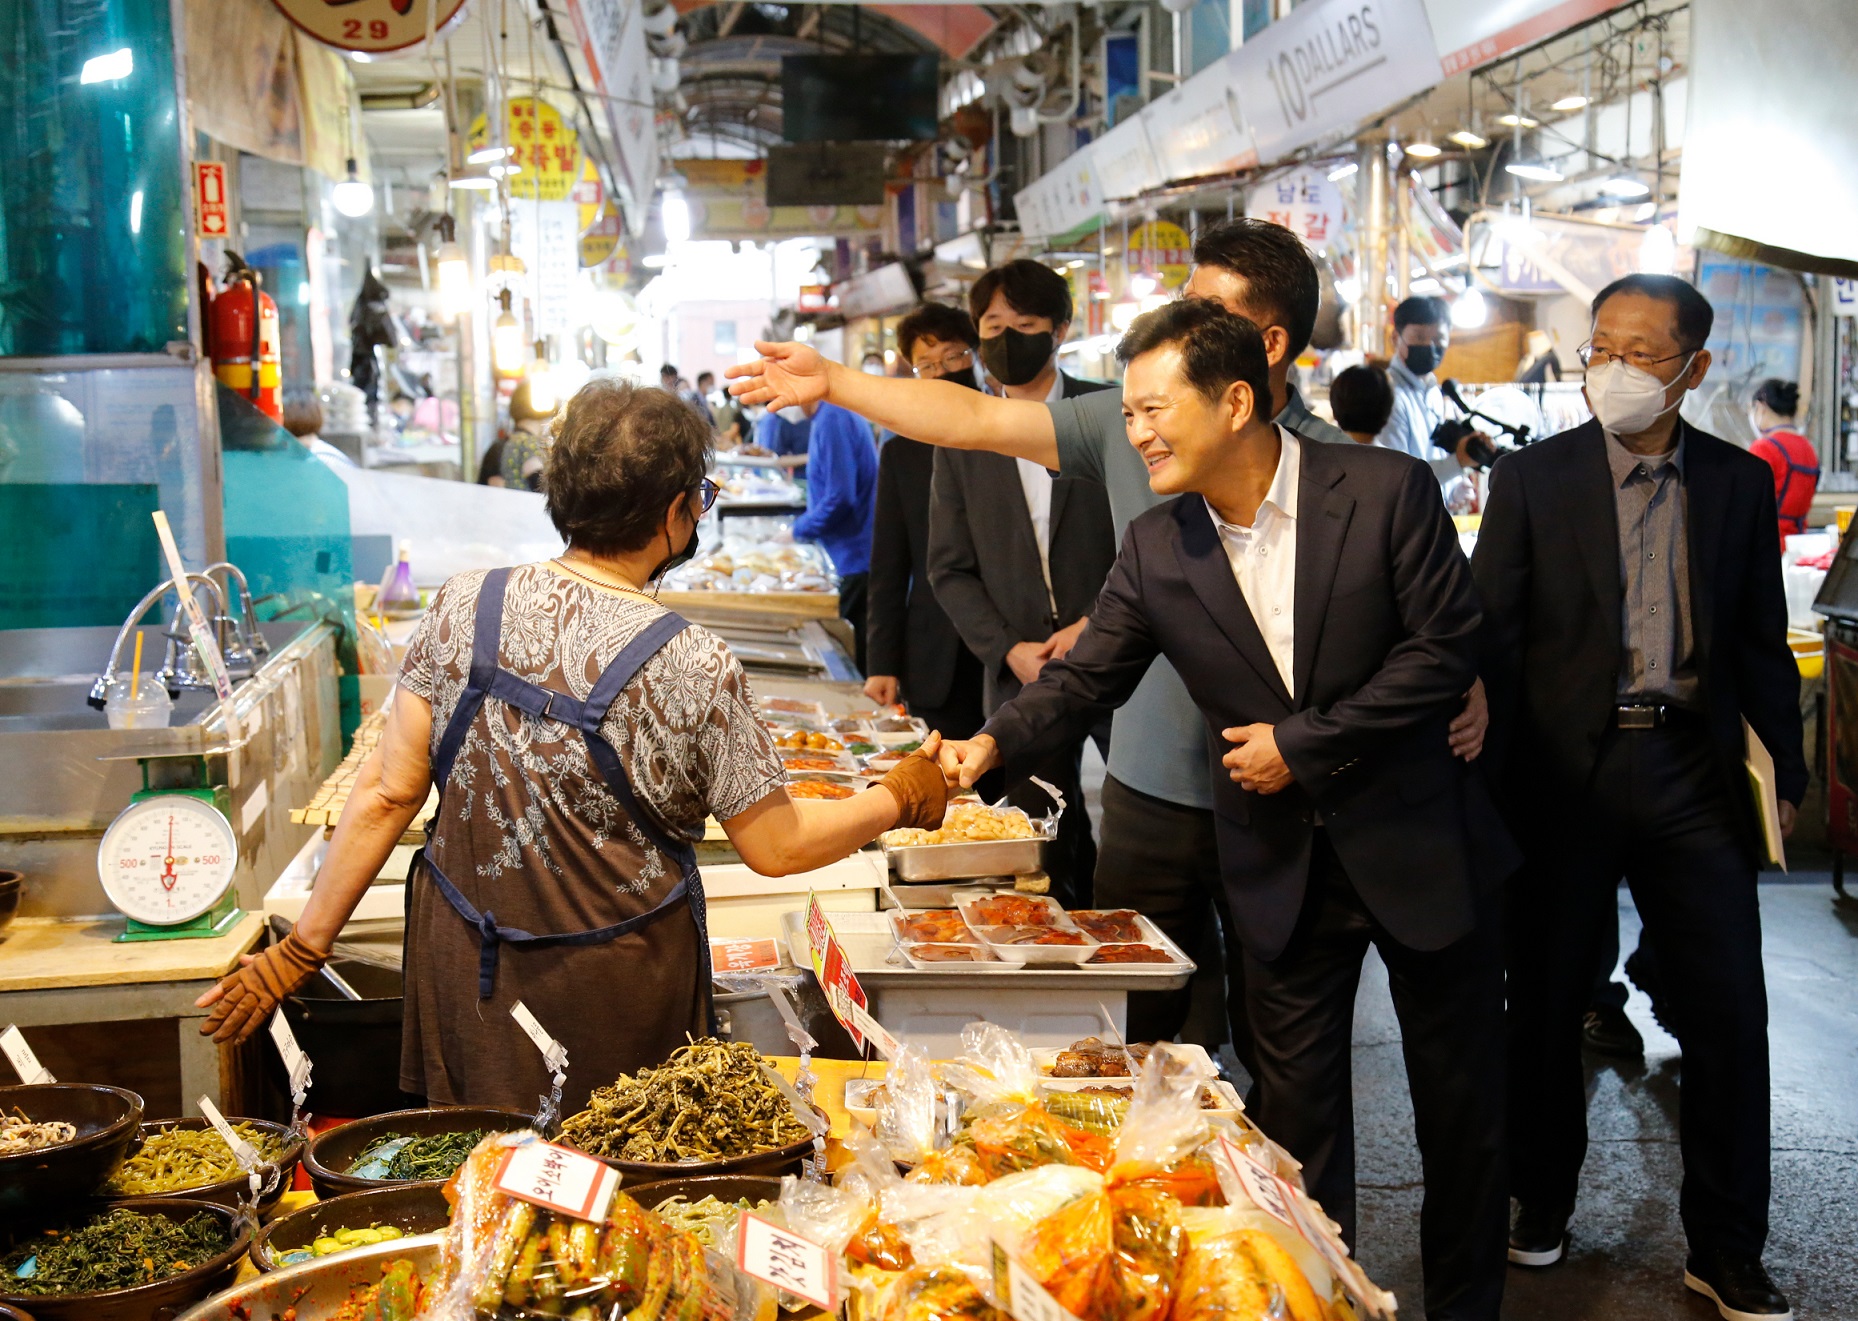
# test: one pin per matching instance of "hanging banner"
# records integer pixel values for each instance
(1125, 162)
(612, 36)
(546, 152)
(1199, 128)
(370, 26)
(1302, 201)
(601, 239)
(1330, 64)
(251, 102)
(1062, 200)
(589, 194)
(1162, 249)
(543, 234)
(1473, 32)
(330, 111)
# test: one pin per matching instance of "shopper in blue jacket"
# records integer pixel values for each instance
(841, 496)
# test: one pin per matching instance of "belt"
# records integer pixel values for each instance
(1648, 715)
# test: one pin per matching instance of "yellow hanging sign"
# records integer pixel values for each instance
(546, 152)
(1162, 249)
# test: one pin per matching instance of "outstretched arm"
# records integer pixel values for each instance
(936, 412)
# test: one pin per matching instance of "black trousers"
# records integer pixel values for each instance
(1162, 860)
(960, 714)
(1659, 813)
(1450, 1006)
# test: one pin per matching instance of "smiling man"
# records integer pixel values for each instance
(1315, 603)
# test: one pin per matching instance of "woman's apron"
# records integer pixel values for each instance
(488, 679)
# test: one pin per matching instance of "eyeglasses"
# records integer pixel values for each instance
(1597, 357)
(707, 491)
(934, 371)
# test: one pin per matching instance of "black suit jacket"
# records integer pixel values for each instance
(1547, 567)
(984, 557)
(907, 633)
(1386, 632)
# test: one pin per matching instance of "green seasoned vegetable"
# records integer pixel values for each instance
(173, 1159)
(709, 1101)
(861, 749)
(435, 1156)
(116, 1250)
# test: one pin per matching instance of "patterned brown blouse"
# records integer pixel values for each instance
(528, 830)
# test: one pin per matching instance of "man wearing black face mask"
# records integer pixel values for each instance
(1017, 554)
(1423, 330)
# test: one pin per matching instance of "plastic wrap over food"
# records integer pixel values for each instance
(1239, 1268)
(938, 1293)
(906, 1116)
(1207, 1224)
(504, 1257)
(994, 1068)
(1162, 1142)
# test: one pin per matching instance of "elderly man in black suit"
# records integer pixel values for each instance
(1314, 600)
(1632, 591)
(1017, 553)
(913, 653)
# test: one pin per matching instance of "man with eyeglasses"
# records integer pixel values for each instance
(1635, 627)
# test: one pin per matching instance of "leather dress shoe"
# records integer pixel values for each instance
(1606, 1030)
(1739, 1286)
(1539, 1236)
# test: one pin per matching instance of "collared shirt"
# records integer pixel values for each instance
(1658, 660)
(1418, 408)
(1264, 557)
(1035, 483)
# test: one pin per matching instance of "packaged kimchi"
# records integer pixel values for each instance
(1245, 1274)
(937, 1293)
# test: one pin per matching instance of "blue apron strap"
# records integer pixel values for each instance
(486, 640)
(631, 659)
(543, 703)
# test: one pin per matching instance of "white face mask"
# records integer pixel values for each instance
(792, 413)
(1626, 399)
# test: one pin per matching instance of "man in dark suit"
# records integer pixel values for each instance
(1632, 591)
(1016, 552)
(913, 652)
(1315, 603)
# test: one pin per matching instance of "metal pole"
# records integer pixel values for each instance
(1403, 235)
(1372, 198)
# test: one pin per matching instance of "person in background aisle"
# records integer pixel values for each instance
(1539, 364)
(786, 433)
(525, 451)
(1158, 853)
(1634, 624)
(1314, 600)
(1017, 555)
(913, 651)
(1423, 327)
(1362, 400)
(872, 364)
(303, 418)
(725, 414)
(841, 498)
(1791, 455)
(673, 383)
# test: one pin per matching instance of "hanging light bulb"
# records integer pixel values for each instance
(542, 381)
(675, 217)
(506, 340)
(1424, 148)
(353, 197)
(454, 271)
(1469, 309)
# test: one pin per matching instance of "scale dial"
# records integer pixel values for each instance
(167, 859)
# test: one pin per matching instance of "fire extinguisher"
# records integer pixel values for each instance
(241, 339)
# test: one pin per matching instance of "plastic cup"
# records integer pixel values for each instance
(150, 708)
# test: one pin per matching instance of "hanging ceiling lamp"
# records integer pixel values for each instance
(454, 271)
(506, 340)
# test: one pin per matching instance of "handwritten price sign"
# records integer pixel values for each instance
(790, 1263)
(558, 1179)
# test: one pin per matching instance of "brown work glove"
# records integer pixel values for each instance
(916, 783)
(243, 1000)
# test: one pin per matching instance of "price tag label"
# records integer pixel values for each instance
(554, 1057)
(562, 1181)
(296, 1063)
(242, 1151)
(834, 970)
(785, 1260)
(1271, 1194)
(873, 1031)
(735, 954)
(25, 1063)
(1026, 1299)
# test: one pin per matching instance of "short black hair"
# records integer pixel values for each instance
(666, 370)
(1783, 397)
(1419, 310)
(705, 376)
(1031, 287)
(936, 321)
(1218, 347)
(1362, 399)
(621, 454)
(1695, 316)
(1276, 264)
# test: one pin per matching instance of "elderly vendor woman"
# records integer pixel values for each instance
(579, 733)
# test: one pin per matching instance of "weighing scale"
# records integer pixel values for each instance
(167, 860)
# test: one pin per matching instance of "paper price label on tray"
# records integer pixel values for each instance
(1269, 1192)
(242, 1151)
(25, 1063)
(296, 1063)
(834, 970)
(554, 1054)
(737, 954)
(1026, 1299)
(783, 1259)
(873, 1031)
(560, 1180)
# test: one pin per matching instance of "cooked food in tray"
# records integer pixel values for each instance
(968, 822)
(1034, 935)
(802, 740)
(936, 925)
(819, 789)
(1131, 954)
(896, 725)
(814, 764)
(794, 706)
(1092, 1058)
(1014, 910)
(1112, 926)
(933, 953)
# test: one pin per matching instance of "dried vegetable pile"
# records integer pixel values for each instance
(710, 1101)
(118, 1249)
(171, 1160)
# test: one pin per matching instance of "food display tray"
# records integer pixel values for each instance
(967, 859)
(1044, 1057)
(872, 948)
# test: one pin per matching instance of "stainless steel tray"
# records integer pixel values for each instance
(966, 860)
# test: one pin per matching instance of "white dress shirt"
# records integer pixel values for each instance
(1035, 481)
(1264, 558)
